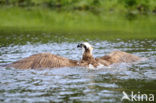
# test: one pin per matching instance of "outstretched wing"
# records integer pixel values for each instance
(43, 60)
(118, 57)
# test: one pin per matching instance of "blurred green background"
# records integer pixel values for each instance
(91, 19)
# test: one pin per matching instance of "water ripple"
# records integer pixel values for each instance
(77, 84)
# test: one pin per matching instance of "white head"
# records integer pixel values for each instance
(86, 47)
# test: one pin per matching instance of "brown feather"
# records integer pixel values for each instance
(117, 57)
(88, 59)
(48, 60)
(43, 60)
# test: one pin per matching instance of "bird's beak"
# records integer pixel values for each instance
(79, 46)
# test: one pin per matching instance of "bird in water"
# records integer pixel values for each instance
(48, 60)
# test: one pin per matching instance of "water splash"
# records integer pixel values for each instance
(77, 84)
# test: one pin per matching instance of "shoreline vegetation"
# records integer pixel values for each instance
(94, 19)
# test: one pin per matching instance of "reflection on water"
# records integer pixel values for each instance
(77, 84)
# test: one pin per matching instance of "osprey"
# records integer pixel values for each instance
(113, 57)
(48, 60)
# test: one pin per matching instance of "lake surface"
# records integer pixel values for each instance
(78, 84)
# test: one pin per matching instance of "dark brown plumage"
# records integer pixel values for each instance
(117, 57)
(114, 57)
(48, 60)
(43, 60)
